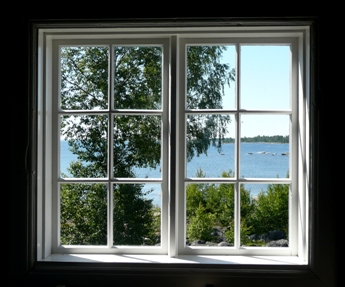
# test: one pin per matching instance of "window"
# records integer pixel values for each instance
(146, 142)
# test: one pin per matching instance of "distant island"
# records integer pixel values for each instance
(260, 139)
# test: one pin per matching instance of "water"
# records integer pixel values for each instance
(257, 160)
(261, 160)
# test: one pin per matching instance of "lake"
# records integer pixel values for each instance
(262, 160)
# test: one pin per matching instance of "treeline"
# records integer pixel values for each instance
(259, 139)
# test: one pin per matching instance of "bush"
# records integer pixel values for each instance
(201, 225)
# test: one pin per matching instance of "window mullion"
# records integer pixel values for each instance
(297, 143)
(172, 183)
(52, 130)
(180, 169)
(110, 151)
(237, 211)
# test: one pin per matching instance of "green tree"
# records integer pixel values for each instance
(206, 79)
(83, 214)
(136, 143)
(271, 210)
(217, 201)
(131, 225)
(201, 225)
(245, 230)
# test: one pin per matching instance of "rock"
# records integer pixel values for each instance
(198, 242)
(269, 236)
(224, 243)
(275, 235)
(219, 233)
(278, 243)
(209, 243)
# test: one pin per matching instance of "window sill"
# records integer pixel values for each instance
(181, 259)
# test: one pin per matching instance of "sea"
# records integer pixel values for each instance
(257, 160)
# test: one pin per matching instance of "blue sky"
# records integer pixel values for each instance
(265, 81)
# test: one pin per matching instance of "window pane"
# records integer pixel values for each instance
(265, 216)
(264, 146)
(137, 146)
(137, 77)
(210, 145)
(84, 78)
(83, 146)
(211, 77)
(210, 214)
(83, 214)
(265, 77)
(137, 214)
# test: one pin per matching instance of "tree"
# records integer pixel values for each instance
(206, 79)
(201, 225)
(83, 214)
(131, 225)
(271, 210)
(136, 144)
(217, 203)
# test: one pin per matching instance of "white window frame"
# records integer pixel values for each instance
(49, 251)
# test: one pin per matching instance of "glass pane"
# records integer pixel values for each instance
(137, 214)
(210, 145)
(137, 77)
(83, 146)
(210, 214)
(265, 77)
(211, 77)
(265, 146)
(84, 78)
(83, 214)
(137, 146)
(265, 216)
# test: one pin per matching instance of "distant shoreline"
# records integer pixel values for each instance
(260, 139)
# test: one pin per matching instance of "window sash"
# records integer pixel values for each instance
(110, 180)
(237, 112)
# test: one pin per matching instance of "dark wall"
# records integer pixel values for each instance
(20, 267)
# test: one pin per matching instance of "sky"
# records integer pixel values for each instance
(264, 84)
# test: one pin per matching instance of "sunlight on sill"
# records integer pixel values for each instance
(181, 259)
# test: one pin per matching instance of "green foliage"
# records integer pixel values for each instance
(206, 78)
(271, 210)
(201, 225)
(83, 214)
(137, 77)
(218, 203)
(133, 216)
(245, 230)
(268, 212)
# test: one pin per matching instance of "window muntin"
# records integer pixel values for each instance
(140, 113)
